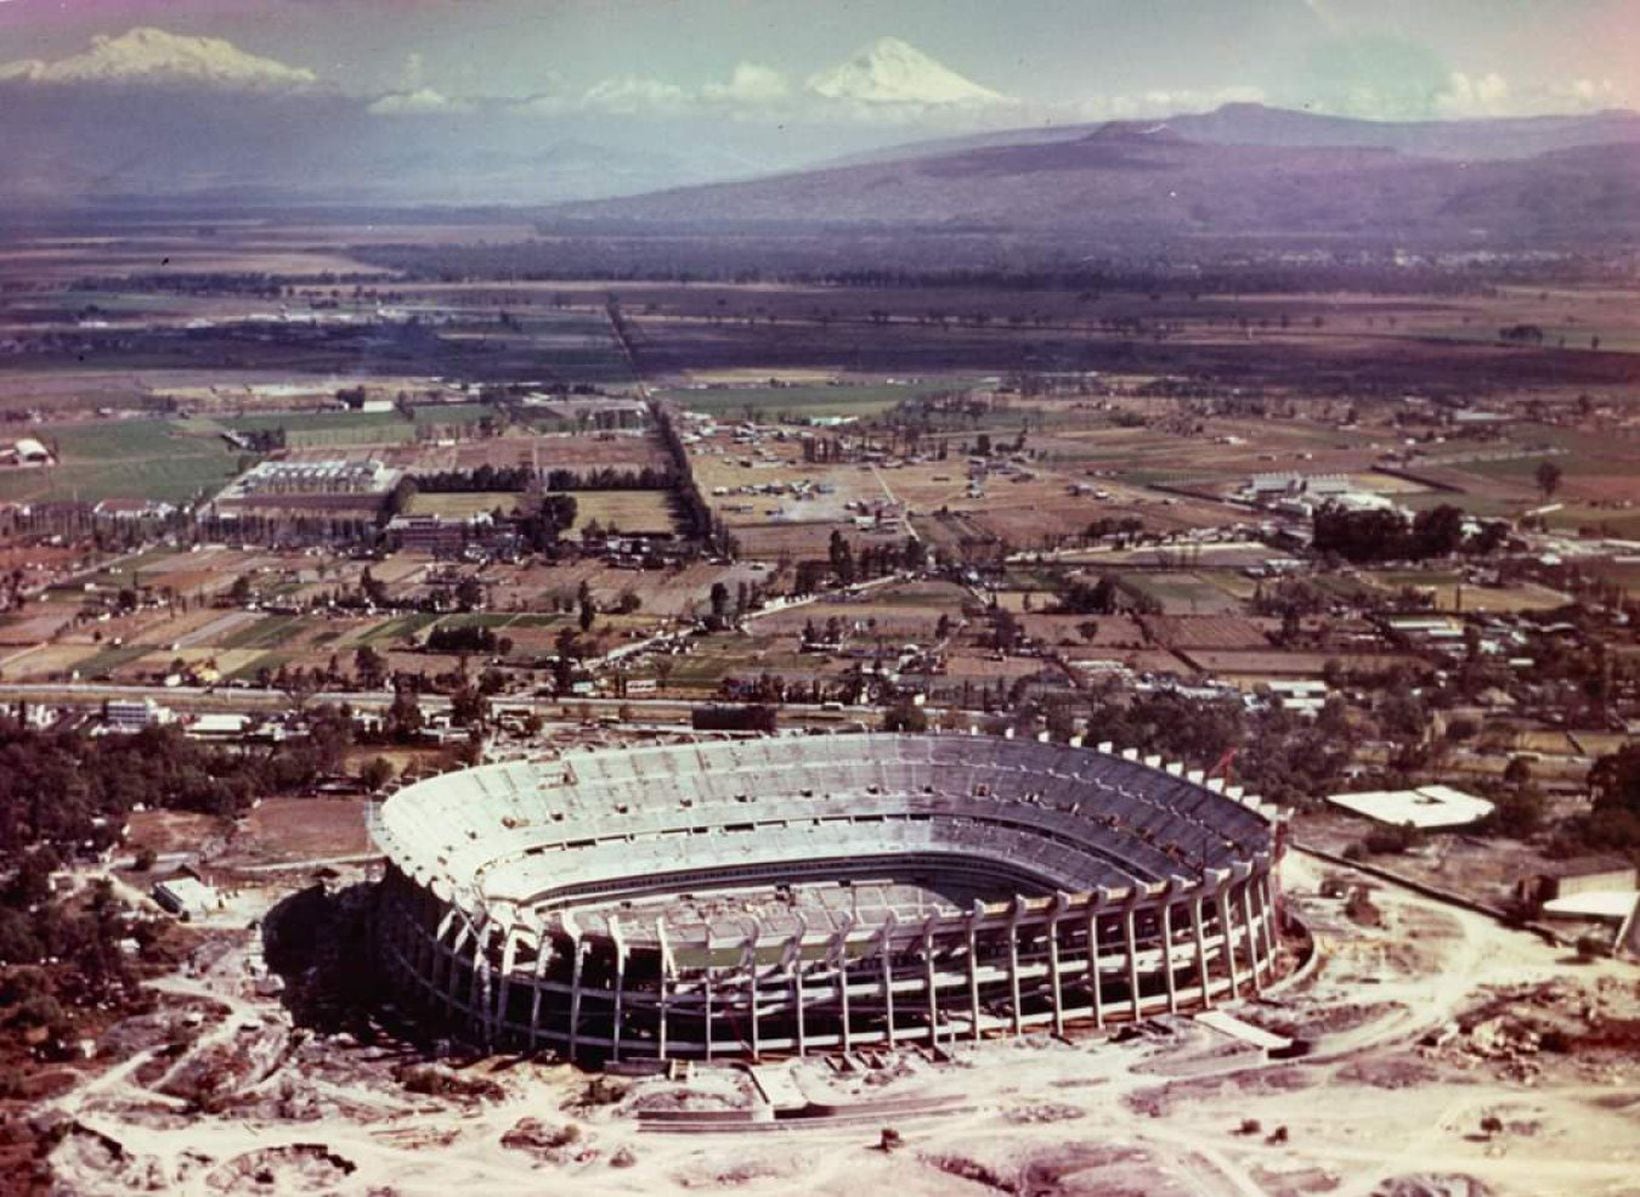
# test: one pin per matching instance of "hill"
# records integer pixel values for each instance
(1148, 181)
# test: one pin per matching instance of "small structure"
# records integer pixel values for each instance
(134, 714)
(1584, 887)
(186, 896)
(1424, 808)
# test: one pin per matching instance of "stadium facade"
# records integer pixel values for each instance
(800, 894)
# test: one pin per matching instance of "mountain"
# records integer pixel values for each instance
(154, 57)
(890, 71)
(1147, 182)
(1258, 124)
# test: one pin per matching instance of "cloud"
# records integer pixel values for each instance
(886, 81)
(152, 57)
(1482, 95)
(630, 95)
(423, 101)
(751, 83)
(413, 75)
(1493, 95)
(1143, 105)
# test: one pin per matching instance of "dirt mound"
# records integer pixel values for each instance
(1431, 1185)
(84, 1152)
(296, 1168)
(547, 1143)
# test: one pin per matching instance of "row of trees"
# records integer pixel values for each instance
(1383, 534)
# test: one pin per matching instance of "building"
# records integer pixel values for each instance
(25, 451)
(285, 478)
(302, 502)
(1582, 875)
(800, 894)
(134, 714)
(186, 896)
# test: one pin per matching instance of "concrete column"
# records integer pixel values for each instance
(1228, 939)
(1093, 961)
(1017, 1014)
(932, 993)
(749, 962)
(1130, 929)
(1060, 901)
(795, 974)
(509, 954)
(543, 954)
(668, 972)
(577, 959)
(885, 953)
(1167, 953)
(619, 942)
(1249, 933)
(707, 1010)
(1268, 912)
(839, 962)
(1198, 925)
(791, 960)
(973, 971)
(478, 987)
(450, 980)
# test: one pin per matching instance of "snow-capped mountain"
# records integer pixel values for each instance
(889, 71)
(146, 55)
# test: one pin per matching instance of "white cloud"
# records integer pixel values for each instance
(421, 102)
(1481, 95)
(629, 95)
(751, 83)
(153, 57)
(1493, 95)
(1154, 103)
(413, 76)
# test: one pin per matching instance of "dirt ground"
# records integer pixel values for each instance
(1448, 1055)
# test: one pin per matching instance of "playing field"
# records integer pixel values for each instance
(123, 459)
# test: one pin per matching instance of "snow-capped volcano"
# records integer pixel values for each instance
(152, 56)
(889, 71)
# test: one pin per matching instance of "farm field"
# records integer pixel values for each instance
(122, 459)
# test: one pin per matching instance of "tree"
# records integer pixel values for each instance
(720, 604)
(470, 593)
(404, 717)
(904, 716)
(370, 667)
(376, 773)
(589, 612)
(468, 706)
(1548, 478)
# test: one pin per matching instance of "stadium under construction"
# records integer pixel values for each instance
(814, 893)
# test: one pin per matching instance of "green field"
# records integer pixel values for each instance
(809, 401)
(453, 413)
(124, 459)
(264, 633)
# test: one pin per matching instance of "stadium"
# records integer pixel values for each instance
(744, 898)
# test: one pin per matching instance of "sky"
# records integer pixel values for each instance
(1016, 63)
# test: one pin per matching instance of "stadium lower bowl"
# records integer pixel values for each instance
(801, 894)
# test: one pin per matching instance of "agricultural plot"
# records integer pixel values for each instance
(793, 402)
(1183, 593)
(635, 512)
(124, 459)
(464, 506)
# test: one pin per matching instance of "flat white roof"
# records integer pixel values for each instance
(1427, 806)
(1613, 904)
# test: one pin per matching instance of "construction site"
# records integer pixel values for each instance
(812, 893)
(1389, 1042)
